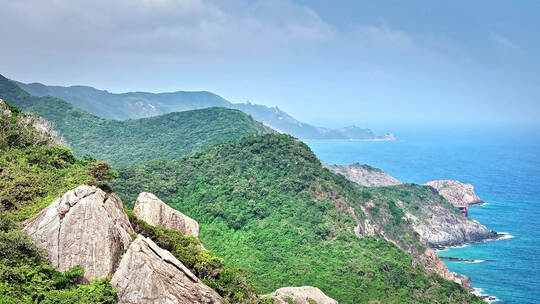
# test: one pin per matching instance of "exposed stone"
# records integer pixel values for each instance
(155, 212)
(440, 227)
(364, 175)
(433, 264)
(84, 227)
(149, 274)
(456, 192)
(301, 295)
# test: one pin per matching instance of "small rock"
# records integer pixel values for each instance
(301, 295)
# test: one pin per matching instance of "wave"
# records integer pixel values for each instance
(479, 293)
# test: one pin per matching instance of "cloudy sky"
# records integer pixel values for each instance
(328, 62)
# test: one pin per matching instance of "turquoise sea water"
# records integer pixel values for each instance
(502, 164)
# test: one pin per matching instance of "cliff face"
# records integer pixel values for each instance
(456, 192)
(440, 227)
(84, 227)
(364, 175)
(149, 274)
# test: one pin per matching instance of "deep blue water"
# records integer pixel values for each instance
(504, 166)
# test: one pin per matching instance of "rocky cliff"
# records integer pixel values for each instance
(364, 175)
(300, 295)
(85, 227)
(155, 212)
(149, 274)
(456, 192)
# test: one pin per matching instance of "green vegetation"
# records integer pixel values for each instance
(32, 174)
(230, 283)
(134, 141)
(265, 204)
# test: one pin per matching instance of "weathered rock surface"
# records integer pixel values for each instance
(441, 227)
(155, 212)
(433, 264)
(301, 295)
(456, 192)
(85, 227)
(364, 175)
(149, 274)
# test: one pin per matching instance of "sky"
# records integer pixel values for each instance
(332, 63)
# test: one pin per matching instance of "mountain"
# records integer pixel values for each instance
(45, 189)
(135, 141)
(266, 204)
(142, 104)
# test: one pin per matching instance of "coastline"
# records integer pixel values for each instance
(476, 290)
(349, 139)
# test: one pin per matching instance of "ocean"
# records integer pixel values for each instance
(503, 164)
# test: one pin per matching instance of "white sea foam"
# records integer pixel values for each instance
(479, 292)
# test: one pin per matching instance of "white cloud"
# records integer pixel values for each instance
(383, 37)
(504, 44)
(175, 28)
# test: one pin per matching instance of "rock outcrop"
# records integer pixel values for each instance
(364, 175)
(433, 264)
(149, 274)
(456, 192)
(441, 227)
(155, 212)
(301, 295)
(85, 227)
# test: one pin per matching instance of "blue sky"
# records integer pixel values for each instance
(332, 63)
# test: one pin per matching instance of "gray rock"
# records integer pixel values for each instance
(155, 212)
(149, 274)
(456, 192)
(300, 295)
(364, 175)
(440, 227)
(85, 227)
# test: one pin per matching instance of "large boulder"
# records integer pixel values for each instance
(85, 227)
(301, 295)
(149, 274)
(456, 192)
(155, 212)
(364, 175)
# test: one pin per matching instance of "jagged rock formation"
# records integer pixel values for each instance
(149, 274)
(456, 192)
(301, 295)
(155, 212)
(364, 175)
(432, 263)
(440, 227)
(85, 227)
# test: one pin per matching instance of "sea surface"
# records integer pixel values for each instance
(503, 163)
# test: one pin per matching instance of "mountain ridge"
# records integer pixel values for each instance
(131, 105)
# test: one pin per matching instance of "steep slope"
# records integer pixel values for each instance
(135, 141)
(32, 172)
(364, 175)
(267, 205)
(142, 104)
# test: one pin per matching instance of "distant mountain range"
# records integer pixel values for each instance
(135, 141)
(143, 104)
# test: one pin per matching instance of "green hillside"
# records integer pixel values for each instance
(265, 204)
(134, 141)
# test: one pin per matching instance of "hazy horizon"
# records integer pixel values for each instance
(363, 63)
